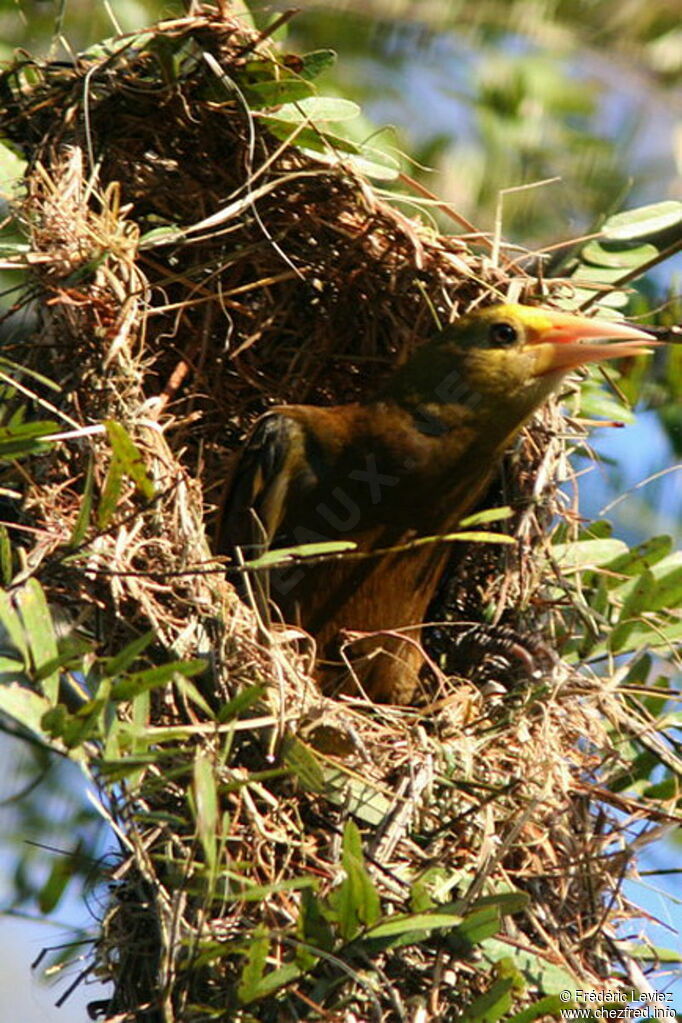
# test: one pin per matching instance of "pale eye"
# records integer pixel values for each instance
(501, 335)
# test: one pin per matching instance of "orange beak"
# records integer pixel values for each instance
(561, 342)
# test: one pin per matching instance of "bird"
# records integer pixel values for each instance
(408, 463)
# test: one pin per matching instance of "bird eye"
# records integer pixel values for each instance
(502, 334)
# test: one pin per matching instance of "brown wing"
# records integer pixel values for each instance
(272, 474)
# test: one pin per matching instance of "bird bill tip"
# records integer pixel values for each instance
(555, 357)
(569, 341)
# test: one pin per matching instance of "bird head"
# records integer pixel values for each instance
(545, 341)
(504, 360)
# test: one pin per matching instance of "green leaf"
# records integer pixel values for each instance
(356, 901)
(73, 729)
(276, 92)
(115, 46)
(18, 440)
(111, 491)
(319, 108)
(466, 930)
(373, 163)
(597, 403)
(473, 536)
(492, 1004)
(656, 635)
(21, 368)
(126, 461)
(487, 515)
(312, 930)
(411, 923)
(637, 600)
(49, 896)
(584, 554)
(586, 275)
(360, 798)
(11, 623)
(12, 166)
(314, 63)
(541, 973)
(367, 900)
(335, 149)
(551, 1006)
(262, 69)
(121, 661)
(654, 589)
(303, 763)
(644, 221)
(159, 236)
(478, 925)
(85, 511)
(6, 564)
(273, 981)
(192, 693)
(505, 902)
(40, 635)
(19, 702)
(607, 300)
(421, 894)
(117, 770)
(283, 555)
(600, 529)
(668, 589)
(12, 670)
(636, 559)
(638, 673)
(234, 708)
(206, 807)
(664, 791)
(260, 892)
(623, 258)
(142, 681)
(254, 968)
(130, 457)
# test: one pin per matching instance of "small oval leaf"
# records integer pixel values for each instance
(644, 221)
(319, 108)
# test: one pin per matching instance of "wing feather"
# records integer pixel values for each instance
(271, 474)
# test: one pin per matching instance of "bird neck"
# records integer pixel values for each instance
(439, 456)
(443, 395)
(452, 431)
